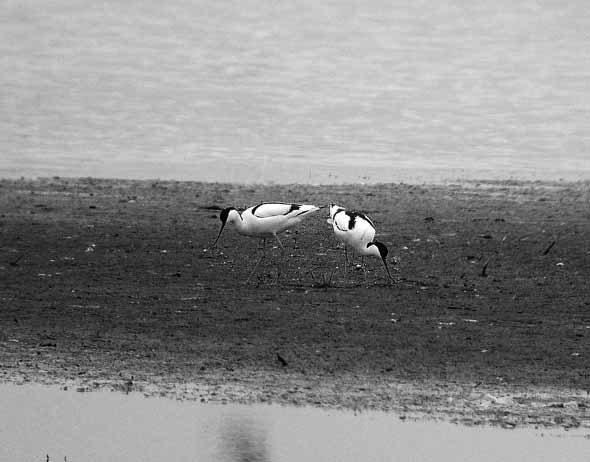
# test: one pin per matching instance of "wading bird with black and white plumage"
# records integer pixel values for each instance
(356, 230)
(265, 220)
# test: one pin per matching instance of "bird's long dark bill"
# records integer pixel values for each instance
(387, 268)
(220, 230)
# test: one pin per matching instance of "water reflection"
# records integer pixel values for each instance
(242, 439)
(103, 426)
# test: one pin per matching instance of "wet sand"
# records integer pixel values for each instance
(110, 283)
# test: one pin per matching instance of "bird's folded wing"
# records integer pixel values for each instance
(341, 220)
(273, 210)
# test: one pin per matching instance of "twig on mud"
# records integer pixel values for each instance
(15, 262)
(550, 247)
(484, 269)
(282, 360)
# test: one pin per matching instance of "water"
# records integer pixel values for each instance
(105, 426)
(317, 92)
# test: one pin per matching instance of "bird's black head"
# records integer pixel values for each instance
(224, 214)
(223, 217)
(383, 251)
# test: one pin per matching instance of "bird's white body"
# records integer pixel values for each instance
(265, 220)
(356, 230)
(268, 219)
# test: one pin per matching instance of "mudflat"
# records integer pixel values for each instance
(113, 283)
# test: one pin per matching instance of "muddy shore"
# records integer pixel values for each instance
(108, 283)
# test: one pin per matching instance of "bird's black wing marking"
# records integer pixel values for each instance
(365, 217)
(273, 209)
(351, 219)
(336, 221)
(354, 215)
(337, 212)
(256, 208)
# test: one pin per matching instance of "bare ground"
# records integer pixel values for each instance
(108, 283)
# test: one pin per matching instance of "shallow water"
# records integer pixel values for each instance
(104, 426)
(317, 92)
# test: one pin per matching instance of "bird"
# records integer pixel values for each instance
(356, 230)
(265, 220)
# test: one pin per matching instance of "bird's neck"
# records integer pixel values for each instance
(371, 250)
(237, 220)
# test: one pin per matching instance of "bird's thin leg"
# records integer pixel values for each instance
(262, 243)
(345, 264)
(364, 269)
(279, 241)
(258, 263)
(282, 258)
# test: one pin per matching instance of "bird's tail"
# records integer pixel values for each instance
(306, 209)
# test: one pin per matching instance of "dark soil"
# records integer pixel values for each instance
(112, 283)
